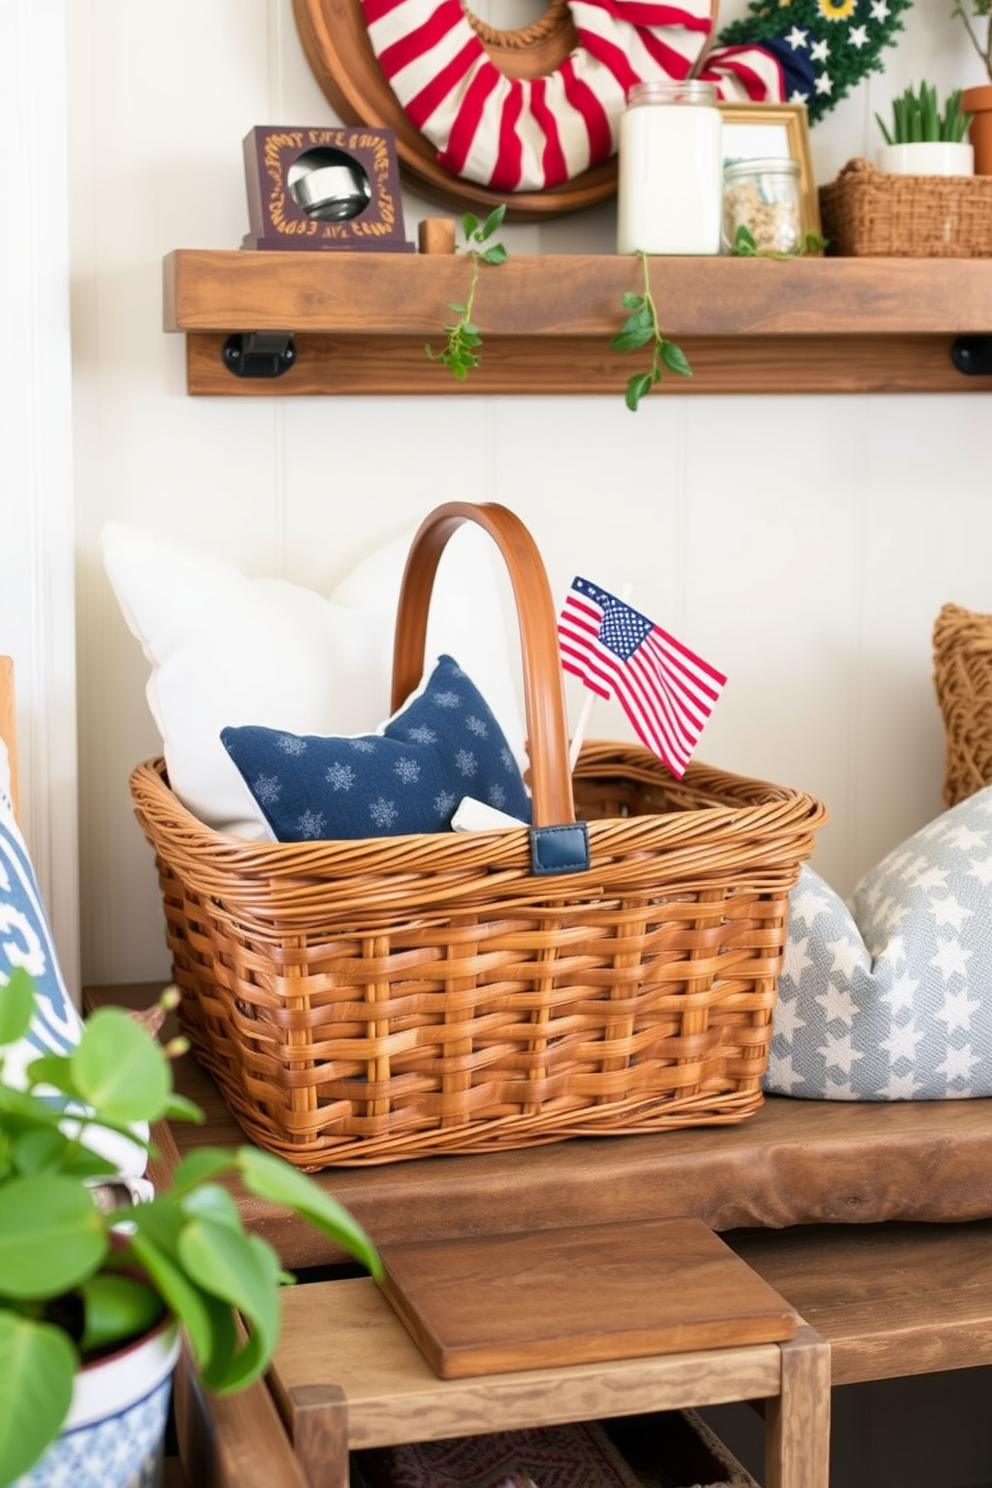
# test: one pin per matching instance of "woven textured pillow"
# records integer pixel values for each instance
(962, 658)
(409, 776)
(891, 998)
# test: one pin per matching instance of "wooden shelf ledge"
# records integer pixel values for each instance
(359, 321)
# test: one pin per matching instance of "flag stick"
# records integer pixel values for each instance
(578, 738)
(580, 728)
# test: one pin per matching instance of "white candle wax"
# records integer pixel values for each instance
(670, 183)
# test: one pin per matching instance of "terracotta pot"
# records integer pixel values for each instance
(978, 101)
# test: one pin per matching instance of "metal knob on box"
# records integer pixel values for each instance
(331, 193)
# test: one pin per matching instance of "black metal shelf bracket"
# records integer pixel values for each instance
(259, 353)
(972, 355)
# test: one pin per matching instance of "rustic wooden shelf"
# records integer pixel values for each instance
(359, 321)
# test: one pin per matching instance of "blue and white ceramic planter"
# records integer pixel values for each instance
(114, 1432)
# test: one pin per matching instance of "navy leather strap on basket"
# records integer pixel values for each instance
(563, 849)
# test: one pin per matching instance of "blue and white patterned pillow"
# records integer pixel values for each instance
(409, 776)
(891, 999)
(26, 941)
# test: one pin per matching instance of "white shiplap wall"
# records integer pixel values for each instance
(37, 619)
(805, 544)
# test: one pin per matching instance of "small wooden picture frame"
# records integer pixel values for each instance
(327, 188)
(762, 131)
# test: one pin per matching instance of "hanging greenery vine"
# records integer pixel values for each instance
(843, 40)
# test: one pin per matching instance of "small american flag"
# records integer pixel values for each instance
(665, 690)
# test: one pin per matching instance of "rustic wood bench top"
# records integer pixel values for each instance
(873, 1220)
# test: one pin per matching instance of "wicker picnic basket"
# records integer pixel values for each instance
(366, 1001)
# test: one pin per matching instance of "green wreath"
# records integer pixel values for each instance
(844, 40)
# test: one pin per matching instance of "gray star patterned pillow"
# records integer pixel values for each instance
(891, 999)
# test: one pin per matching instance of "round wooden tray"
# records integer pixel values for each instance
(341, 58)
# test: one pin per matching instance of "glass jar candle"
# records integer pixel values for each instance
(670, 169)
(765, 197)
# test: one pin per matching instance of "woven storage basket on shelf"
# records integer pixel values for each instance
(364, 1001)
(867, 213)
(962, 674)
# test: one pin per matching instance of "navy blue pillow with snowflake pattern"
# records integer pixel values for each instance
(410, 776)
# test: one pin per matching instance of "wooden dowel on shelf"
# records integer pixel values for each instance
(436, 235)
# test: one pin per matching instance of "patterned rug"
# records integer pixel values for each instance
(672, 1449)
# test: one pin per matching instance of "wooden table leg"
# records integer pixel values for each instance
(319, 1428)
(797, 1422)
(231, 1441)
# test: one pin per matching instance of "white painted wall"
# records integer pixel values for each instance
(37, 610)
(804, 544)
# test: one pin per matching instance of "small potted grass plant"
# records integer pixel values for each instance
(92, 1296)
(924, 139)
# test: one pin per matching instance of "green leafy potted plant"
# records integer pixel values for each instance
(79, 1285)
(976, 17)
(925, 140)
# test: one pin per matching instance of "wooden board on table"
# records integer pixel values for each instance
(578, 1296)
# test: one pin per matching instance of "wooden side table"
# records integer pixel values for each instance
(346, 1376)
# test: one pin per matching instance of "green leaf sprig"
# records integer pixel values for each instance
(641, 328)
(745, 246)
(463, 348)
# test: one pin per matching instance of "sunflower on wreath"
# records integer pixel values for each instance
(840, 41)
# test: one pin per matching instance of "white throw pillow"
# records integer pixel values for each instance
(891, 998)
(227, 651)
(466, 619)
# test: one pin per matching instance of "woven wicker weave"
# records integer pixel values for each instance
(365, 1001)
(962, 657)
(867, 213)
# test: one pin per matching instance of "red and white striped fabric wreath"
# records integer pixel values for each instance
(514, 134)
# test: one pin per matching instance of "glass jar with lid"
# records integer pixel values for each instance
(670, 166)
(765, 196)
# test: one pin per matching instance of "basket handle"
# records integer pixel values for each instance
(544, 690)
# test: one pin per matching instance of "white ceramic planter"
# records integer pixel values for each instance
(926, 158)
(113, 1434)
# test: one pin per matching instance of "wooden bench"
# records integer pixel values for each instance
(869, 1218)
(228, 1441)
